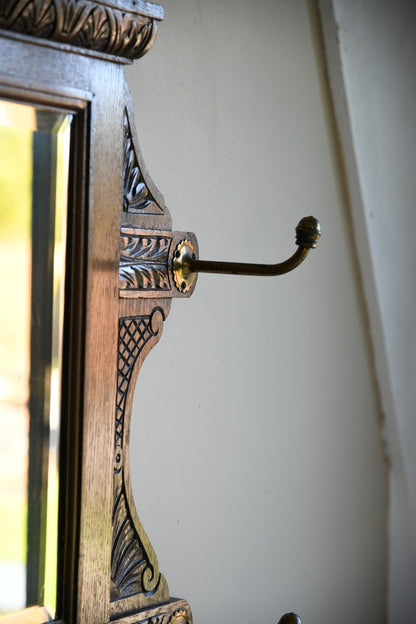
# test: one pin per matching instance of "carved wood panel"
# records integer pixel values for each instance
(144, 261)
(146, 287)
(137, 196)
(174, 612)
(135, 577)
(120, 28)
(57, 53)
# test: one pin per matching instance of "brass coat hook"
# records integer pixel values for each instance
(186, 265)
(290, 618)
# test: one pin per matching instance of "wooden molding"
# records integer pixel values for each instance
(121, 28)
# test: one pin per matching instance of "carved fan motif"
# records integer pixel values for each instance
(137, 197)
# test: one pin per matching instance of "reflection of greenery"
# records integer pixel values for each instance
(49, 597)
(13, 525)
(15, 223)
(15, 181)
(15, 252)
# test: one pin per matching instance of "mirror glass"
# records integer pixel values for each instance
(34, 148)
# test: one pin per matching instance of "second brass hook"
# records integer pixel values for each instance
(186, 265)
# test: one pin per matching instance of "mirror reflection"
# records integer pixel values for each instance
(34, 148)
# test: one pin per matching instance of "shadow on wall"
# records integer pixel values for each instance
(256, 419)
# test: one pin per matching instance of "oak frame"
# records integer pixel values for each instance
(107, 569)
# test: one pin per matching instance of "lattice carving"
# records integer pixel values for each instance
(133, 335)
(134, 566)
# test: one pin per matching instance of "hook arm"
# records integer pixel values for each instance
(245, 268)
(185, 264)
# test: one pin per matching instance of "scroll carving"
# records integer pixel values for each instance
(86, 23)
(134, 333)
(134, 566)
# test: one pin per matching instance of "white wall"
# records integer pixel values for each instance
(257, 459)
(372, 50)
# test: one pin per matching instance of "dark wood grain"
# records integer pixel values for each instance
(55, 54)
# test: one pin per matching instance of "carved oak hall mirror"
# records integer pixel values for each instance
(90, 265)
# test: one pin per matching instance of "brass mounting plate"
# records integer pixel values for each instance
(183, 276)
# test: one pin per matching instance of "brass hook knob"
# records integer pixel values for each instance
(186, 265)
(290, 618)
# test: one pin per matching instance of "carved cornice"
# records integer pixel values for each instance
(121, 28)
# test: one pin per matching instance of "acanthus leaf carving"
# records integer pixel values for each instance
(87, 24)
(142, 277)
(136, 245)
(137, 197)
(144, 260)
